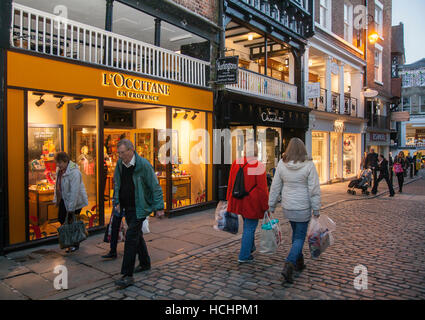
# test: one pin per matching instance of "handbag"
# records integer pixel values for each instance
(271, 234)
(70, 234)
(398, 168)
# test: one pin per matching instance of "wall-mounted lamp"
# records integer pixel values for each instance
(40, 101)
(195, 114)
(250, 37)
(60, 103)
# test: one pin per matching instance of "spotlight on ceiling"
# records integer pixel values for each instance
(60, 103)
(78, 105)
(195, 114)
(40, 101)
(186, 114)
(175, 113)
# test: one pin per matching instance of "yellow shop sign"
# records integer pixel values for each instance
(134, 88)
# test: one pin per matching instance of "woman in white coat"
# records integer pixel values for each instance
(297, 181)
(70, 193)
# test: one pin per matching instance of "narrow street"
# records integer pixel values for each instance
(191, 260)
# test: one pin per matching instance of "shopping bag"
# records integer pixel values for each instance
(231, 222)
(121, 233)
(319, 235)
(271, 234)
(70, 234)
(145, 226)
(220, 215)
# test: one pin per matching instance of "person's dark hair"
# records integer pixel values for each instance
(62, 156)
(295, 151)
(382, 156)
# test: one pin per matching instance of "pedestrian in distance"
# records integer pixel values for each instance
(253, 204)
(399, 169)
(70, 194)
(391, 164)
(137, 194)
(383, 174)
(371, 162)
(297, 181)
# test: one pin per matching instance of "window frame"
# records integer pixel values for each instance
(326, 7)
(348, 8)
(378, 68)
(403, 104)
(379, 18)
(422, 104)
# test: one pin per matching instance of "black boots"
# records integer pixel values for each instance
(300, 266)
(288, 272)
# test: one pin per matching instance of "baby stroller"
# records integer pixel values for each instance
(363, 182)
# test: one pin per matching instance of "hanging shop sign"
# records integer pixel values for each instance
(400, 116)
(312, 90)
(378, 137)
(227, 70)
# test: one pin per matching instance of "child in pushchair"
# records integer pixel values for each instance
(363, 182)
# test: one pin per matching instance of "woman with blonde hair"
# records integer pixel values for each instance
(297, 181)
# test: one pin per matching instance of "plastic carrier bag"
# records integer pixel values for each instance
(225, 221)
(319, 235)
(271, 234)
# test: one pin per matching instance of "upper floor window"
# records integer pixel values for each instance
(378, 63)
(379, 21)
(348, 22)
(325, 9)
(406, 104)
(422, 104)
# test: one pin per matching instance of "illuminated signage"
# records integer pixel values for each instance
(134, 88)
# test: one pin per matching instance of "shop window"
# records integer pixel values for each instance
(335, 155)
(189, 143)
(349, 155)
(268, 141)
(58, 123)
(91, 12)
(319, 145)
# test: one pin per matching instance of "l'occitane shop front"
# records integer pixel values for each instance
(54, 106)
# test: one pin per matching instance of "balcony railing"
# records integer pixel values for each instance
(350, 106)
(335, 102)
(45, 33)
(257, 84)
(379, 122)
(321, 102)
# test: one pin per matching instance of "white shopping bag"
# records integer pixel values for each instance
(145, 226)
(271, 234)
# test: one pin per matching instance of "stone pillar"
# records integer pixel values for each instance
(306, 73)
(341, 88)
(328, 83)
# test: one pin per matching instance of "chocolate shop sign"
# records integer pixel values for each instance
(271, 116)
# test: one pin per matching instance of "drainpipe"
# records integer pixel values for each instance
(5, 22)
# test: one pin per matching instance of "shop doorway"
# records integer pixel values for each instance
(268, 141)
(139, 123)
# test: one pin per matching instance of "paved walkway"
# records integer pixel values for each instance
(191, 260)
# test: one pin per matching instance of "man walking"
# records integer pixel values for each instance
(383, 174)
(137, 194)
(371, 162)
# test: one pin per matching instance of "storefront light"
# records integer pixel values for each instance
(40, 101)
(195, 114)
(186, 114)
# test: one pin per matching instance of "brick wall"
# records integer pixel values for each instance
(205, 8)
(384, 90)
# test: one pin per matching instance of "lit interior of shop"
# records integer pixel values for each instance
(65, 123)
(249, 46)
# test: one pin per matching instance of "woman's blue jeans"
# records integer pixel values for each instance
(248, 237)
(299, 232)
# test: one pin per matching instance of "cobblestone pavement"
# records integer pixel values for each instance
(386, 235)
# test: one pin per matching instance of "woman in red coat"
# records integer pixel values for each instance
(253, 206)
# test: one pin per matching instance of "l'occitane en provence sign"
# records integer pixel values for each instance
(134, 88)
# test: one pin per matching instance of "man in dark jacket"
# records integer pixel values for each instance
(137, 194)
(371, 162)
(383, 174)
